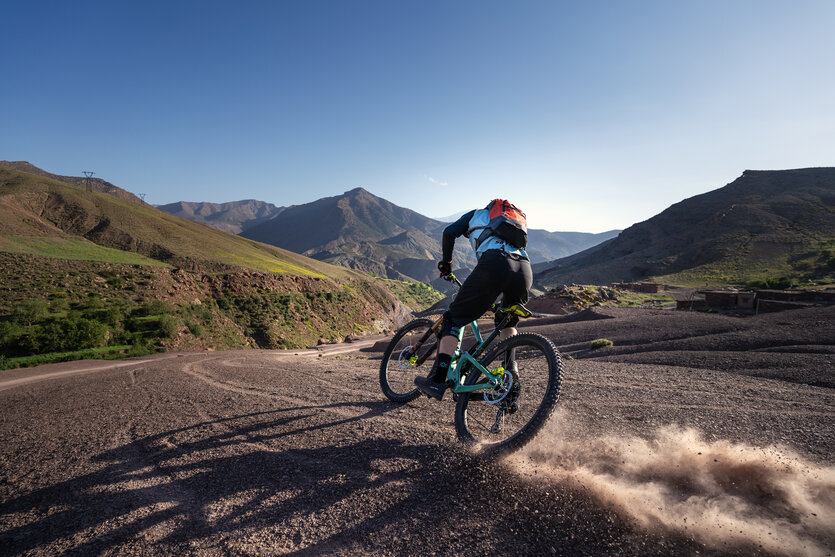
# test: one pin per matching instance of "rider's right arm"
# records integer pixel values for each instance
(453, 231)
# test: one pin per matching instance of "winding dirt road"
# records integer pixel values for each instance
(693, 433)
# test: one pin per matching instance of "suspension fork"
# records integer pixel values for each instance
(416, 346)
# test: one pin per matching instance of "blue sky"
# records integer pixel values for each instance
(588, 115)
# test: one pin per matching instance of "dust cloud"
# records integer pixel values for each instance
(726, 495)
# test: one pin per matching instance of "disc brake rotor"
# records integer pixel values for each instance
(500, 391)
(407, 358)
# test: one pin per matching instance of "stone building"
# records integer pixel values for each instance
(643, 287)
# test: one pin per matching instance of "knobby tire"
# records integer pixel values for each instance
(393, 379)
(529, 346)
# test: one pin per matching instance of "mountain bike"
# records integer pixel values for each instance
(503, 395)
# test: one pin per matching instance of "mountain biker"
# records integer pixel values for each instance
(503, 268)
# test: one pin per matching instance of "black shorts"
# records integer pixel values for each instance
(497, 273)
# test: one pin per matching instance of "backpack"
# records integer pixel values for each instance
(506, 222)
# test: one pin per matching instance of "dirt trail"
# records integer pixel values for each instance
(266, 452)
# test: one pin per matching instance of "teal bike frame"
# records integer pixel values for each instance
(470, 357)
(463, 359)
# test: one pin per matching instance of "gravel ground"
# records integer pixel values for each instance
(693, 434)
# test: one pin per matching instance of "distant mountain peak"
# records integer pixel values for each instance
(355, 216)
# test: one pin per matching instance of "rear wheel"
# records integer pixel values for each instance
(401, 364)
(502, 420)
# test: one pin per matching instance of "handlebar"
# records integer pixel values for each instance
(452, 278)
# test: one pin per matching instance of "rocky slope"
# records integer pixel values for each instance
(763, 224)
(333, 221)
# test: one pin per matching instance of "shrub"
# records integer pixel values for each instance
(9, 331)
(112, 316)
(67, 334)
(32, 311)
(224, 302)
(89, 334)
(50, 337)
(139, 349)
(155, 307)
(59, 306)
(600, 343)
(779, 283)
(168, 326)
(195, 328)
(95, 302)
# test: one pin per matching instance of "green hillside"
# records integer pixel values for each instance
(86, 274)
(71, 248)
(92, 183)
(38, 211)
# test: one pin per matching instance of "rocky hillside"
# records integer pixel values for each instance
(96, 184)
(362, 231)
(355, 216)
(233, 217)
(762, 227)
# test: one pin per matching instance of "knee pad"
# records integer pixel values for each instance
(448, 328)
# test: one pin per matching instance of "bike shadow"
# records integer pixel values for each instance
(207, 481)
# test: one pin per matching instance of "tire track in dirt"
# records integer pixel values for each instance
(388, 489)
(33, 375)
(341, 409)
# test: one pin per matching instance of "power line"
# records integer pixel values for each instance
(88, 185)
(141, 196)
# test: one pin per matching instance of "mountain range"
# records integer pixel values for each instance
(362, 231)
(762, 226)
(233, 217)
(103, 271)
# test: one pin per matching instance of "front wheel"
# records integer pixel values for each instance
(504, 419)
(401, 364)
